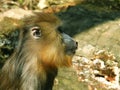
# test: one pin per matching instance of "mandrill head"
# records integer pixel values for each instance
(42, 37)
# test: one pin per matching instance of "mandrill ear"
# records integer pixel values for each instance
(36, 32)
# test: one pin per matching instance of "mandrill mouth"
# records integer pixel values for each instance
(70, 52)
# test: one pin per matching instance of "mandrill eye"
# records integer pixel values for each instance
(36, 32)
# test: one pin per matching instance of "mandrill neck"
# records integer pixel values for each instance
(25, 70)
(34, 72)
(50, 79)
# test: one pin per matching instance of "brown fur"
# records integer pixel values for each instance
(34, 64)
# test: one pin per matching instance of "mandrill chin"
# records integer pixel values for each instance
(41, 49)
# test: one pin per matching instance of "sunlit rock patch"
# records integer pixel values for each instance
(100, 71)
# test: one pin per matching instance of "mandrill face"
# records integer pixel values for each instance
(50, 43)
(53, 35)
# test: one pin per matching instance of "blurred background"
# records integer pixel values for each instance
(95, 24)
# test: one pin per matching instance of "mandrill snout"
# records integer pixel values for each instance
(70, 44)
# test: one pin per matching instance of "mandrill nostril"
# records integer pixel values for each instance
(76, 45)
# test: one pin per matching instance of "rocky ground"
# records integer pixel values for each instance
(94, 29)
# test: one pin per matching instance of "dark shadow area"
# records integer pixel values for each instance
(78, 19)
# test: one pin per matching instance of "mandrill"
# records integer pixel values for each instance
(42, 48)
